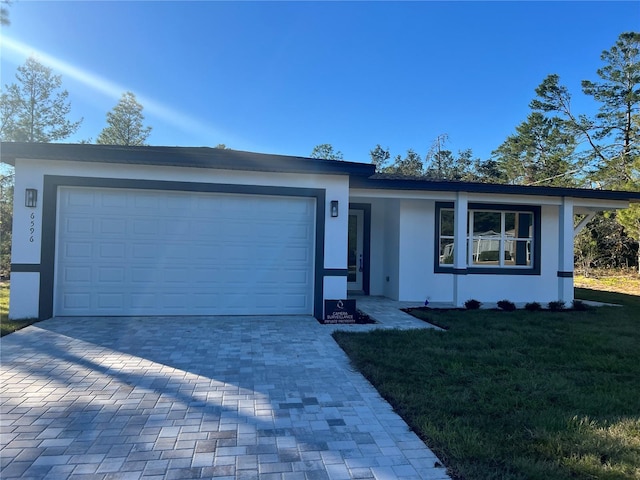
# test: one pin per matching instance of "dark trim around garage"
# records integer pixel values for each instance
(49, 214)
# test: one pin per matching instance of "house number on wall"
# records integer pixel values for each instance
(32, 226)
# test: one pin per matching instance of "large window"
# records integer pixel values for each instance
(500, 239)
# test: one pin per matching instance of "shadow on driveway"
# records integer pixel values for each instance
(195, 397)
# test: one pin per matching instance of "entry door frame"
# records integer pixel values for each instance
(366, 244)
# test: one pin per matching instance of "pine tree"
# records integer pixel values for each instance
(619, 96)
(34, 109)
(540, 152)
(125, 124)
(326, 151)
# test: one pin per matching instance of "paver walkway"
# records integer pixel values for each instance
(229, 397)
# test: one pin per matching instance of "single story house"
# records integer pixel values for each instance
(126, 231)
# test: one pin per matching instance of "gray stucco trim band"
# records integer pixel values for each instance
(49, 223)
(336, 272)
(25, 268)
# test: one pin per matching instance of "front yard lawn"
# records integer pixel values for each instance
(517, 395)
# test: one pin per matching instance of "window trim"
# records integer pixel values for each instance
(534, 269)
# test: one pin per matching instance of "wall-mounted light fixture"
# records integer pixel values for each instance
(30, 197)
(334, 208)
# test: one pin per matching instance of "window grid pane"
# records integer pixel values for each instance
(501, 239)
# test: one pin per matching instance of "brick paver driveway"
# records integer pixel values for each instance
(251, 397)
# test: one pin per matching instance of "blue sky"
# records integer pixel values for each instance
(283, 77)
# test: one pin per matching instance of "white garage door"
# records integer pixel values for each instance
(141, 252)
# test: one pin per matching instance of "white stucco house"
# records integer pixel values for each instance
(127, 231)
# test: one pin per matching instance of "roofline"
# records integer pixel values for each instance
(361, 174)
(197, 157)
(495, 188)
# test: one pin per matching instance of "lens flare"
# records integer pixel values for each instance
(175, 118)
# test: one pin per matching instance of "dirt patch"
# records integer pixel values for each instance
(614, 281)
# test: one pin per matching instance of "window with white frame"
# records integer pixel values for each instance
(499, 238)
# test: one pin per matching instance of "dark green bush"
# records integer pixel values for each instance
(556, 306)
(533, 307)
(472, 304)
(506, 305)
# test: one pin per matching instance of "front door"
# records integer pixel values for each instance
(355, 256)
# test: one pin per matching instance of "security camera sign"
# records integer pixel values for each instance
(340, 311)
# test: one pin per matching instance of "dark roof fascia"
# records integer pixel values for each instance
(491, 188)
(198, 157)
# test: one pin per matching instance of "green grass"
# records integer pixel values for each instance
(6, 326)
(632, 301)
(517, 395)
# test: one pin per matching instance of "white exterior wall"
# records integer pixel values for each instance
(403, 249)
(391, 269)
(26, 245)
(414, 255)
(541, 288)
(24, 294)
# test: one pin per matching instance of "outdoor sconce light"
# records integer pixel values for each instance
(30, 197)
(334, 208)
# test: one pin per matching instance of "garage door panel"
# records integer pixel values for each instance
(79, 225)
(293, 302)
(78, 250)
(110, 274)
(176, 253)
(79, 198)
(299, 277)
(77, 275)
(144, 251)
(177, 276)
(111, 301)
(145, 227)
(146, 201)
(111, 226)
(113, 251)
(266, 300)
(75, 302)
(143, 301)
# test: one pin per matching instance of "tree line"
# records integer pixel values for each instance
(557, 146)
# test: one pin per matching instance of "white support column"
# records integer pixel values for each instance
(461, 209)
(565, 258)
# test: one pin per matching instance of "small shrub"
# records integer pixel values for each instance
(579, 306)
(556, 306)
(506, 305)
(533, 307)
(472, 304)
